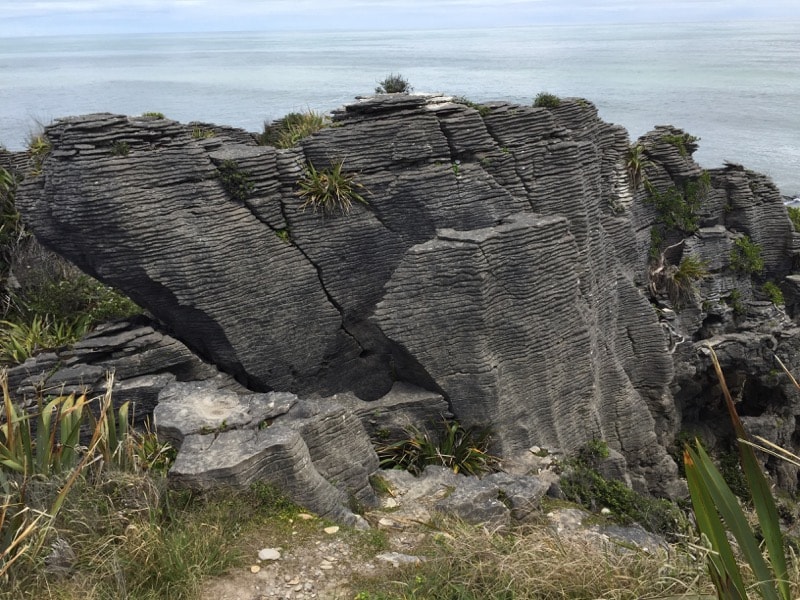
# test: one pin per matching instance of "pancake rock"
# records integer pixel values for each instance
(514, 261)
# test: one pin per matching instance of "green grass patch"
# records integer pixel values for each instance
(291, 129)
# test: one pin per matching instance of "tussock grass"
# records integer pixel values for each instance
(471, 563)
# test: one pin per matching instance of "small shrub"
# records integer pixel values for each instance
(329, 190)
(120, 148)
(794, 216)
(771, 290)
(236, 182)
(746, 256)
(482, 109)
(394, 84)
(546, 100)
(679, 210)
(581, 482)
(685, 143)
(288, 131)
(155, 115)
(459, 449)
(735, 302)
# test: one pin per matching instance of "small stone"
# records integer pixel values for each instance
(305, 516)
(325, 565)
(390, 503)
(298, 588)
(605, 511)
(330, 558)
(385, 523)
(308, 586)
(269, 554)
(255, 569)
(293, 581)
(331, 530)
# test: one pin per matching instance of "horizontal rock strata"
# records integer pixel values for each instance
(505, 260)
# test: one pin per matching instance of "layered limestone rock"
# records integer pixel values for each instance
(504, 261)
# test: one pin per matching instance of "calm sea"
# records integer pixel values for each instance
(735, 85)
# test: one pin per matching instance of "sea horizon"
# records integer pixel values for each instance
(734, 84)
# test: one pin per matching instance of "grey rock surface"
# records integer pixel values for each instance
(501, 263)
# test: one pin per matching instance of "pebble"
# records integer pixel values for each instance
(269, 554)
(305, 516)
(255, 569)
(331, 530)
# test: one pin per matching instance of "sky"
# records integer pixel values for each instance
(54, 17)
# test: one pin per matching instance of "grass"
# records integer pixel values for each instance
(330, 190)
(154, 114)
(291, 129)
(636, 164)
(394, 84)
(471, 563)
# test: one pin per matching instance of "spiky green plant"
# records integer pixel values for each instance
(719, 515)
(636, 164)
(330, 190)
(459, 449)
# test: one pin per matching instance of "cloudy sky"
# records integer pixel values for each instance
(46, 17)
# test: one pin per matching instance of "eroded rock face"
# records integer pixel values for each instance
(501, 261)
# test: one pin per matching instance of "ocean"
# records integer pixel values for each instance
(735, 85)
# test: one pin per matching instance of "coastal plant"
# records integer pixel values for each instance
(771, 290)
(153, 114)
(11, 230)
(482, 109)
(120, 148)
(237, 183)
(546, 100)
(288, 131)
(680, 281)
(685, 143)
(394, 84)
(21, 340)
(719, 518)
(330, 190)
(38, 149)
(636, 164)
(794, 216)
(199, 133)
(746, 256)
(463, 450)
(679, 209)
(581, 482)
(734, 300)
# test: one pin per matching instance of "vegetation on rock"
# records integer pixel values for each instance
(237, 183)
(459, 449)
(291, 129)
(330, 190)
(685, 143)
(746, 256)
(394, 84)
(546, 100)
